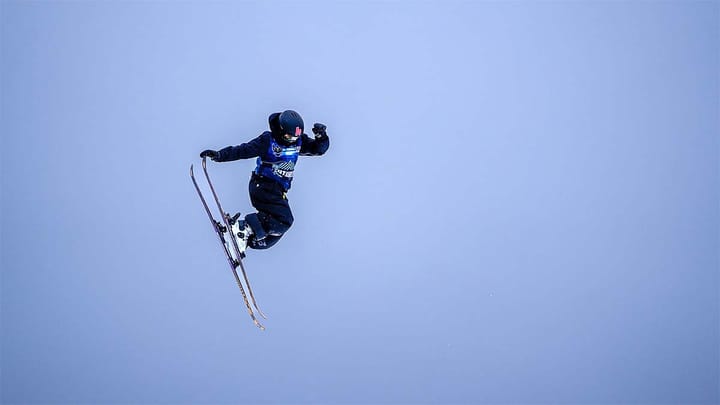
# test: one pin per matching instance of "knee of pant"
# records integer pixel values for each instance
(284, 221)
(280, 228)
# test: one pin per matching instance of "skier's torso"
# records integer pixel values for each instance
(278, 161)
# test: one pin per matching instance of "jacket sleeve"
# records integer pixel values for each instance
(244, 151)
(314, 147)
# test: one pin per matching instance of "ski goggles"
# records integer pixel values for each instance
(293, 137)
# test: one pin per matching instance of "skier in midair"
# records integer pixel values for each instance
(277, 152)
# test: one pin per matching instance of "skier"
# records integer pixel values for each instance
(277, 153)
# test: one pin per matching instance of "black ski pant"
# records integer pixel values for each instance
(274, 215)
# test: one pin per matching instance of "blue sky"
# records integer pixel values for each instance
(520, 203)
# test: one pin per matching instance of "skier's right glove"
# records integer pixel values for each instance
(212, 154)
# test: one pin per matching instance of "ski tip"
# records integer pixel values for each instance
(191, 169)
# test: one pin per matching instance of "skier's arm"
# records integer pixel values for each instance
(317, 146)
(244, 151)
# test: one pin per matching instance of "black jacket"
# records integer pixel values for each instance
(276, 158)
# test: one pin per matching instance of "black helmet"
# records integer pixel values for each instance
(291, 124)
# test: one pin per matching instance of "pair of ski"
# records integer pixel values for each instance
(221, 229)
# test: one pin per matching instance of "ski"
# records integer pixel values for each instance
(226, 220)
(220, 229)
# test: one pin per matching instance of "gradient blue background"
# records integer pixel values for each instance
(520, 203)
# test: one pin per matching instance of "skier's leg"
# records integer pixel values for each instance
(275, 220)
(274, 216)
(265, 240)
(253, 220)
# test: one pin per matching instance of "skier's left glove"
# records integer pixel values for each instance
(212, 154)
(319, 130)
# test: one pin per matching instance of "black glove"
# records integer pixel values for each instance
(319, 130)
(212, 154)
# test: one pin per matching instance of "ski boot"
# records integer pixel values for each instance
(241, 231)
